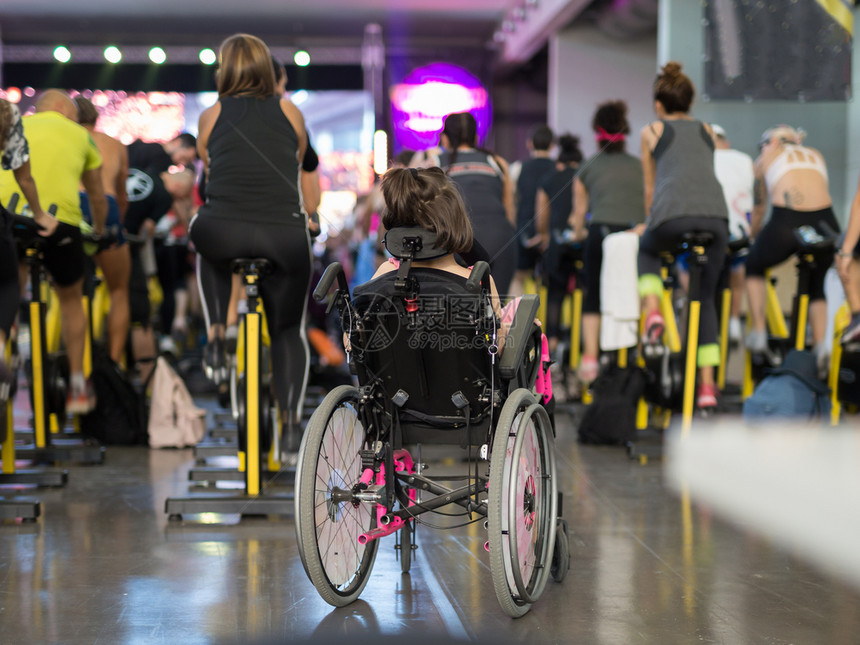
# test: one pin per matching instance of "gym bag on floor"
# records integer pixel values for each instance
(791, 391)
(174, 420)
(611, 417)
(119, 418)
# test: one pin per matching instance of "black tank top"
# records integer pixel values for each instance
(253, 169)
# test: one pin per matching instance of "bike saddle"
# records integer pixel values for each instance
(811, 241)
(697, 238)
(251, 266)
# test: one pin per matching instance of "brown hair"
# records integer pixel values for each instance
(674, 89)
(87, 112)
(5, 123)
(245, 67)
(611, 117)
(427, 198)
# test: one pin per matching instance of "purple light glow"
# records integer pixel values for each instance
(427, 95)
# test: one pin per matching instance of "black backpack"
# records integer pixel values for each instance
(119, 418)
(611, 417)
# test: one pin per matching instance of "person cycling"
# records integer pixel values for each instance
(252, 144)
(793, 177)
(682, 194)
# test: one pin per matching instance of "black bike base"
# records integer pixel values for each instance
(178, 507)
(63, 451)
(648, 445)
(203, 451)
(214, 474)
(20, 509)
(44, 478)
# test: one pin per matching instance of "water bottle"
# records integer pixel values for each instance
(809, 235)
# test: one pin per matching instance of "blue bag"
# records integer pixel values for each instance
(791, 391)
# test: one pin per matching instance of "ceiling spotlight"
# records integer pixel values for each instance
(113, 54)
(62, 54)
(302, 58)
(207, 56)
(13, 95)
(157, 55)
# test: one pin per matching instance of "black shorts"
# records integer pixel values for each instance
(64, 256)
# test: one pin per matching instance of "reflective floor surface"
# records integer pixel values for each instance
(104, 565)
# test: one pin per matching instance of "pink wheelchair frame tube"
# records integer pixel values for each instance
(402, 463)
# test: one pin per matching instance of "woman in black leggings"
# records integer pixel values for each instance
(682, 194)
(252, 143)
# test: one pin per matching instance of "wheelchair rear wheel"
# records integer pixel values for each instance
(329, 461)
(522, 503)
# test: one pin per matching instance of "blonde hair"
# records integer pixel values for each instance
(245, 68)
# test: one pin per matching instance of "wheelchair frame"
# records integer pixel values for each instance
(356, 484)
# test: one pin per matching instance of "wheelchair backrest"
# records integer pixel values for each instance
(430, 354)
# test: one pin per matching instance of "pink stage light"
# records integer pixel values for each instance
(427, 95)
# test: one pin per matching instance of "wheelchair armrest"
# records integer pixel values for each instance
(517, 340)
(333, 271)
(479, 277)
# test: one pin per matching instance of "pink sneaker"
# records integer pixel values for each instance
(654, 325)
(706, 397)
(81, 401)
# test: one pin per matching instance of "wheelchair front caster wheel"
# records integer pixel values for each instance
(561, 555)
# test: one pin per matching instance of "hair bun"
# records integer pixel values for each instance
(672, 69)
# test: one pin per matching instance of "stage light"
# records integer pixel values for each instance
(302, 58)
(380, 152)
(207, 56)
(157, 55)
(62, 54)
(113, 54)
(13, 95)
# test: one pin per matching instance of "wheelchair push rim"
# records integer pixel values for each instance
(337, 564)
(522, 503)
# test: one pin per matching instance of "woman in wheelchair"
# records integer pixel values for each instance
(424, 337)
(429, 200)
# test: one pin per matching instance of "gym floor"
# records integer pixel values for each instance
(104, 565)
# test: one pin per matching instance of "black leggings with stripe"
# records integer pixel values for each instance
(218, 242)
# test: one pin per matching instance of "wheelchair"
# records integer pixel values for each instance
(423, 345)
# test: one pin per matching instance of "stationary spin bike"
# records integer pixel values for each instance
(813, 247)
(671, 366)
(257, 435)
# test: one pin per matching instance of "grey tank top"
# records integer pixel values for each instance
(685, 184)
(616, 192)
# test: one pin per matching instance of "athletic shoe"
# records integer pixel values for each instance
(588, 369)
(7, 380)
(214, 362)
(706, 397)
(852, 331)
(654, 325)
(756, 341)
(736, 333)
(81, 401)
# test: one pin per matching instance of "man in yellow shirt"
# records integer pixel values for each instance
(62, 157)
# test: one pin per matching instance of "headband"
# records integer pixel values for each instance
(603, 135)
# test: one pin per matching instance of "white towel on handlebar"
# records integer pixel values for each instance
(619, 291)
